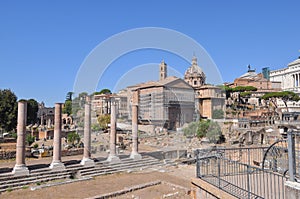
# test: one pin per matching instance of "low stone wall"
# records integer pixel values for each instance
(172, 154)
(6, 154)
(201, 189)
(10, 154)
(72, 152)
(8, 140)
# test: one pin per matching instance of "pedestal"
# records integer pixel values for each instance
(113, 159)
(20, 170)
(87, 162)
(57, 166)
(135, 156)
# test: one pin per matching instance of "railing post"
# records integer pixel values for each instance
(197, 163)
(219, 171)
(248, 180)
(291, 154)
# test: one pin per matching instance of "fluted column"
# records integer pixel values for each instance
(56, 162)
(134, 153)
(20, 167)
(86, 160)
(112, 136)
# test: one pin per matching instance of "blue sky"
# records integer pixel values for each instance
(44, 43)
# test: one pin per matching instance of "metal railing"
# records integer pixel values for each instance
(238, 172)
(294, 155)
(251, 156)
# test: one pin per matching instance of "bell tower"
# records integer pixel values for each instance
(162, 70)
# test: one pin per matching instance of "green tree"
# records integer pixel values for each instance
(73, 137)
(96, 127)
(103, 91)
(104, 120)
(218, 114)
(191, 129)
(245, 94)
(69, 96)
(244, 88)
(8, 110)
(284, 95)
(214, 132)
(67, 107)
(203, 128)
(32, 109)
(30, 139)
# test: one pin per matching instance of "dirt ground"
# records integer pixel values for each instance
(180, 175)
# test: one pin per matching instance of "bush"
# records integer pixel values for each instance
(245, 94)
(30, 139)
(191, 129)
(204, 128)
(73, 137)
(104, 120)
(35, 146)
(214, 132)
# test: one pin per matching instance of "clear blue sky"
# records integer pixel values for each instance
(43, 43)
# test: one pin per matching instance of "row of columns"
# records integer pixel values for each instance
(296, 79)
(20, 167)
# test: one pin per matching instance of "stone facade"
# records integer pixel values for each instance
(257, 80)
(289, 77)
(208, 97)
(168, 103)
(101, 104)
(45, 115)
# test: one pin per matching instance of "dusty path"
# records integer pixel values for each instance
(109, 183)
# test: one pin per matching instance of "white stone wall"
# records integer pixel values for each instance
(289, 77)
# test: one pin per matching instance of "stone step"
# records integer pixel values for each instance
(39, 174)
(34, 177)
(140, 163)
(119, 170)
(122, 168)
(124, 160)
(119, 165)
(10, 185)
(10, 182)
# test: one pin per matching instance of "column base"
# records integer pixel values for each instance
(20, 170)
(87, 162)
(135, 156)
(113, 159)
(57, 166)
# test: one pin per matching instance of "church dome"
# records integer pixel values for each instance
(194, 75)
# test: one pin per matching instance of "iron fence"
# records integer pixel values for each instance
(239, 172)
(251, 156)
(293, 155)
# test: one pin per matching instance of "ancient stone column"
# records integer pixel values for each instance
(134, 153)
(113, 131)
(56, 162)
(20, 167)
(86, 160)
